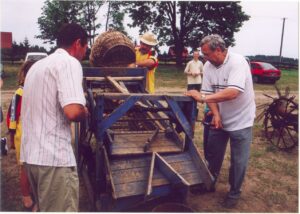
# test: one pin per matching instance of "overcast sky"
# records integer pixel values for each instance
(260, 35)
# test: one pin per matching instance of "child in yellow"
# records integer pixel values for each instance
(15, 129)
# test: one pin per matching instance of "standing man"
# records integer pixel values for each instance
(145, 57)
(52, 98)
(194, 72)
(228, 90)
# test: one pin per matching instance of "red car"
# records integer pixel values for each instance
(262, 71)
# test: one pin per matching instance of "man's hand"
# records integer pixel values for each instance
(217, 122)
(195, 94)
(195, 73)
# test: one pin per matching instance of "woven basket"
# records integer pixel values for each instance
(112, 49)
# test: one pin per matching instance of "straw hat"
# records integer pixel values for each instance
(149, 39)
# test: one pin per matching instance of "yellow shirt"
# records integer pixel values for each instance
(150, 80)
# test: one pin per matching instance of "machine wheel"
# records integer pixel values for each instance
(281, 124)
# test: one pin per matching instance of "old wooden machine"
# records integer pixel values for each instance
(280, 120)
(136, 146)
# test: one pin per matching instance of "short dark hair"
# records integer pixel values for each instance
(69, 33)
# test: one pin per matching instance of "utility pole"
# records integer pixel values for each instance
(281, 39)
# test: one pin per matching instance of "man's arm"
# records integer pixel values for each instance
(149, 63)
(224, 95)
(187, 69)
(75, 112)
(216, 121)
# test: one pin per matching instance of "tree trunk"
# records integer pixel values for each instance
(178, 51)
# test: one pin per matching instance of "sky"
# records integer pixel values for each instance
(259, 35)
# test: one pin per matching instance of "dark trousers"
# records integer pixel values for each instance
(240, 142)
(206, 128)
(194, 87)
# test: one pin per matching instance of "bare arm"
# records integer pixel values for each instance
(216, 121)
(75, 112)
(187, 69)
(149, 63)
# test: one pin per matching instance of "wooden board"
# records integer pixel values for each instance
(130, 175)
(127, 144)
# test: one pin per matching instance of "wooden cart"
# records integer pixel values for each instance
(143, 147)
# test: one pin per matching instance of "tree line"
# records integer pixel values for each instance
(19, 50)
(177, 23)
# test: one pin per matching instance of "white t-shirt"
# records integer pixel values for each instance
(197, 68)
(235, 73)
(51, 84)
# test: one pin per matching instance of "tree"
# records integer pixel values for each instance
(56, 13)
(184, 23)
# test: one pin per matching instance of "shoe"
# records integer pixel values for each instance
(230, 203)
(4, 146)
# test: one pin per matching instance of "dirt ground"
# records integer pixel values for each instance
(271, 183)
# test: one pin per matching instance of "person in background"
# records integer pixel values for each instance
(194, 72)
(145, 57)
(13, 121)
(3, 142)
(53, 97)
(228, 90)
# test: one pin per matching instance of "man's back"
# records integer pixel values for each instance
(51, 84)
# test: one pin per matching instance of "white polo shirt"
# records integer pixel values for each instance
(234, 73)
(51, 84)
(195, 67)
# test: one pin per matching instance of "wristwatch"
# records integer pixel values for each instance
(202, 99)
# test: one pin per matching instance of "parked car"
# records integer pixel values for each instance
(35, 56)
(263, 71)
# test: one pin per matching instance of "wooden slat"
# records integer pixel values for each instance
(177, 157)
(172, 175)
(109, 173)
(118, 96)
(135, 151)
(150, 176)
(115, 78)
(129, 176)
(131, 189)
(129, 164)
(117, 85)
(184, 167)
(193, 178)
(201, 166)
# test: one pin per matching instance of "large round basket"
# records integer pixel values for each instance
(112, 49)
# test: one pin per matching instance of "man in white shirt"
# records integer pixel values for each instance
(228, 90)
(194, 71)
(52, 98)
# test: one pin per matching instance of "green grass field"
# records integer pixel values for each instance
(168, 76)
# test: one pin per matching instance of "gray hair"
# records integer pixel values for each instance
(213, 42)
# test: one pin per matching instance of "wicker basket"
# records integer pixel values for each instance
(112, 49)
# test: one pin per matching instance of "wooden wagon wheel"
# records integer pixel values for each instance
(281, 123)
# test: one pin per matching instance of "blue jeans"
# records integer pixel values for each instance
(240, 142)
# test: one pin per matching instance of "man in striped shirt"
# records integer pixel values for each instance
(52, 98)
(228, 90)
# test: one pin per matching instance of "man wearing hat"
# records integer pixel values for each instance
(146, 58)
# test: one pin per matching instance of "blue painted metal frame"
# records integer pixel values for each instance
(186, 123)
